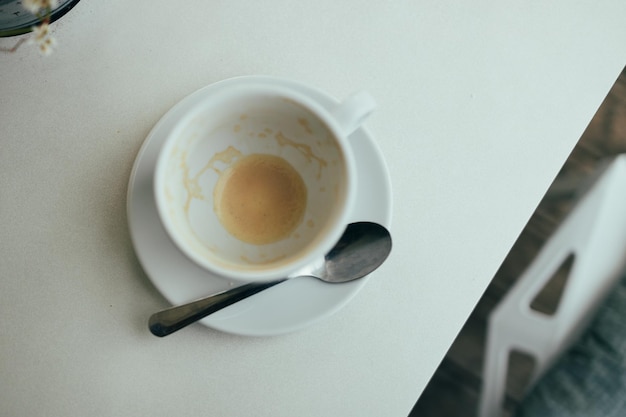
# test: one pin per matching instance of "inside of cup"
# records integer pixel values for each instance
(209, 143)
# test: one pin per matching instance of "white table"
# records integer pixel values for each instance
(479, 106)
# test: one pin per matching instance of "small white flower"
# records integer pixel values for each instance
(43, 39)
(36, 6)
(33, 6)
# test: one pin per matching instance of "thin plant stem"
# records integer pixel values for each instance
(14, 48)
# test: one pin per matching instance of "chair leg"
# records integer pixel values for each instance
(595, 232)
(494, 376)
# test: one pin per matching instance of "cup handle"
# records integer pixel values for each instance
(352, 112)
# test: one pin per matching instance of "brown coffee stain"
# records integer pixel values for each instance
(305, 125)
(263, 262)
(192, 185)
(304, 149)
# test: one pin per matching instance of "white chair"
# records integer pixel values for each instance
(594, 233)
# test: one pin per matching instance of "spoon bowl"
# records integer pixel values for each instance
(363, 247)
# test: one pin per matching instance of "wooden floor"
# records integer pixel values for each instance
(454, 389)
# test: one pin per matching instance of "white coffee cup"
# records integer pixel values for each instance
(258, 180)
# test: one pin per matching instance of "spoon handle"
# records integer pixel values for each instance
(168, 321)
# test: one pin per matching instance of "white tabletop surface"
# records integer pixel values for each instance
(479, 105)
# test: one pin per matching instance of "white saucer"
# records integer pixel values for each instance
(287, 307)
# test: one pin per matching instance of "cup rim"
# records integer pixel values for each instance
(258, 273)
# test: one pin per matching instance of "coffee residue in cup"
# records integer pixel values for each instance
(260, 199)
(192, 184)
(303, 148)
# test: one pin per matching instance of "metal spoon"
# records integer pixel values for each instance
(363, 247)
